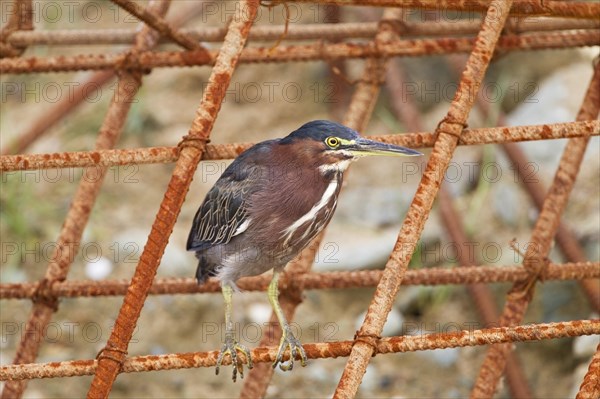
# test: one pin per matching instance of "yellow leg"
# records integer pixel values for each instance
(231, 346)
(287, 338)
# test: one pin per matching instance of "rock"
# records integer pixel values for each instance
(370, 381)
(259, 313)
(98, 269)
(585, 346)
(556, 99)
(393, 324)
(578, 375)
(508, 203)
(442, 357)
(350, 247)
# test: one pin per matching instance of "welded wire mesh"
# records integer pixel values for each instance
(505, 26)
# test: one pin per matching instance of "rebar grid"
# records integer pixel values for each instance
(482, 295)
(541, 240)
(521, 35)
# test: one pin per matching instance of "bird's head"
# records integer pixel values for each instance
(334, 145)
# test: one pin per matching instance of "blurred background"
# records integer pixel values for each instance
(270, 100)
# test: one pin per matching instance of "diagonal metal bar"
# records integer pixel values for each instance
(449, 132)
(110, 359)
(540, 244)
(357, 116)
(159, 24)
(590, 386)
(79, 212)
(407, 343)
(113, 157)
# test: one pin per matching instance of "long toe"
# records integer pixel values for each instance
(231, 347)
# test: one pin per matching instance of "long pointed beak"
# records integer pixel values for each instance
(364, 147)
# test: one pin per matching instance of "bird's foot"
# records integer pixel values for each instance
(231, 347)
(289, 341)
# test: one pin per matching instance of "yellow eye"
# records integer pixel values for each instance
(332, 142)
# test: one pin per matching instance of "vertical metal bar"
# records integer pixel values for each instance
(192, 148)
(449, 132)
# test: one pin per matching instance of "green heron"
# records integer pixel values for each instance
(266, 207)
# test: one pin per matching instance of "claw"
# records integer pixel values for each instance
(289, 341)
(231, 347)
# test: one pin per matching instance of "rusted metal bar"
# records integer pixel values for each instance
(114, 157)
(565, 238)
(590, 387)
(574, 9)
(109, 361)
(296, 53)
(79, 212)
(408, 113)
(309, 281)
(159, 24)
(449, 132)
(338, 31)
(407, 343)
(537, 251)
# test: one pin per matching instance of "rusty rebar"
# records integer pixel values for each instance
(192, 148)
(449, 132)
(590, 386)
(297, 53)
(409, 343)
(573, 9)
(151, 155)
(79, 212)
(537, 251)
(307, 280)
(338, 31)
